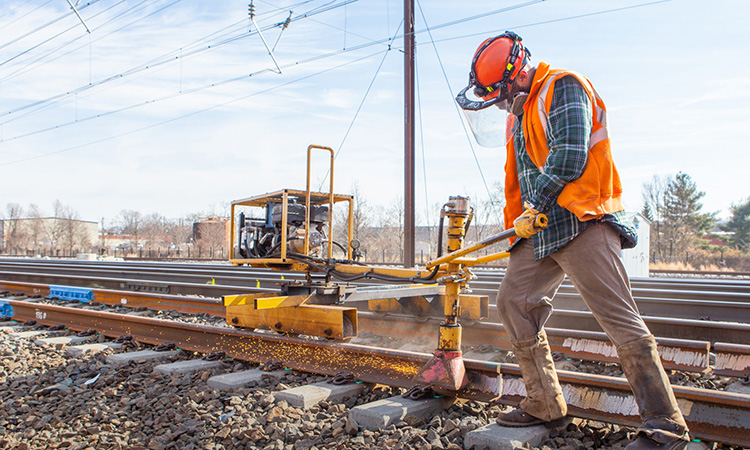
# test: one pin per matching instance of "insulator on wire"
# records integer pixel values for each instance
(251, 10)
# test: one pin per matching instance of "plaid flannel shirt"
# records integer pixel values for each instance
(568, 133)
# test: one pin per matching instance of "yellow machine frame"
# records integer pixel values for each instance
(284, 196)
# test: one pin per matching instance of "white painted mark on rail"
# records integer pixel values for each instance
(732, 362)
(587, 398)
(684, 357)
(591, 346)
(678, 356)
(514, 386)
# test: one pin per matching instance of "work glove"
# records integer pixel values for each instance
(526, 224)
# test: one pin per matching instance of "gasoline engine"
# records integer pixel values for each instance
(262, 237)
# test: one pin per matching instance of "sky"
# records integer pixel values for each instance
(176, 107)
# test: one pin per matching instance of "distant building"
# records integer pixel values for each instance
(636, 259)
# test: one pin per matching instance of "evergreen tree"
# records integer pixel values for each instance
(682, 216)
(739, 224)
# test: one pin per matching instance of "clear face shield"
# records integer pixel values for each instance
(486, 118)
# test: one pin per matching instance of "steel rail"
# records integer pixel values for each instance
(686, 309)
(566, 298)
(226, 274)
(561, 319)
(177, 288)
(711, 415)
(644, 290)
(732, 360)
(676, 354)
(685, 355)
(702, 272)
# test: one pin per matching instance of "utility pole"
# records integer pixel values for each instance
(409, 78)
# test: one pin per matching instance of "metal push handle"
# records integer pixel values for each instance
(330, 201)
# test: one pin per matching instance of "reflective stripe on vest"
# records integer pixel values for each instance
(601, 113)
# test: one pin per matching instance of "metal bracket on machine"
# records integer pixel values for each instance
(330, 310)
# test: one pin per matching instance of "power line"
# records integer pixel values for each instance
(561, 19)
(44, 104)
(164, 59)
(359, 108)
(154, 62)
(174, 119)
(29, 63)
(54, 37)
(471, 145)
(311, 59)
(41, 27)
(173, 95)
(25, 14)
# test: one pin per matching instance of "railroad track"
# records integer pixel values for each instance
(713, 310)
(685, 355)
(713, 415)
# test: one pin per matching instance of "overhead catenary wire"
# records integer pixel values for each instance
(73, 27)
(20, 71)
(460, 116)
(167, 58)
(31, 11)
(45, 57)
(359, 108)
(179, 93)
(324, 56)
(193, 113)
(44, 104)
(560, 19)
(48, 24)
(164, 60)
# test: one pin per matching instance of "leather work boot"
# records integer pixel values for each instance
(544, 402)
(663, 426)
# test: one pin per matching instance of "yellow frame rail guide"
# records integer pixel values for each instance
(285, 197)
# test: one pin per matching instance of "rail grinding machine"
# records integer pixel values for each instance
(295, 234)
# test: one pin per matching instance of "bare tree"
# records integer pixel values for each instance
(154, 230)
(653, 195)
(132, 223)
(211, 233)
(13, 231)
(54, 227)
(487, 219)
(73, 233)
(36, 229)
(397, 212)
(362, 214)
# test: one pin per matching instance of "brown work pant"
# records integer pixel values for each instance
(592, 262)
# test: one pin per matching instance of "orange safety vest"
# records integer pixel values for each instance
(598, 190)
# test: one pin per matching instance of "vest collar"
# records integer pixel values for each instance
(542, 70)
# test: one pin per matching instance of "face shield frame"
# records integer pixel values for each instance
(485, 122)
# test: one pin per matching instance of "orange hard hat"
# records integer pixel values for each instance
(495, 65)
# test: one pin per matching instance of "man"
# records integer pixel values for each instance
(559, 163)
